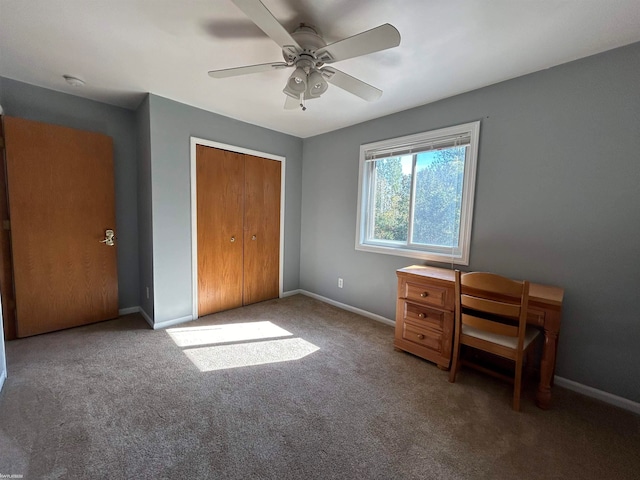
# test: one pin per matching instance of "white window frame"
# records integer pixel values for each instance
(416, 143)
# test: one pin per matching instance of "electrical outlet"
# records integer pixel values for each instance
(340, 282)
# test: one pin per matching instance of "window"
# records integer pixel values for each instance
(415, 194)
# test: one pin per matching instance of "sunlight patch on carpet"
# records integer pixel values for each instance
(234, 345)
(233, 332)
(237, 355)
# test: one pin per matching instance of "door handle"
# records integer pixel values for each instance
(109, 238)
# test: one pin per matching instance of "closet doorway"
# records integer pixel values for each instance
(237, 198)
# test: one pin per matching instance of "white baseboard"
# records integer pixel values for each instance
(166, 323)
(3, 377)
(598, 394)
(172, 322)
(152, 324)
(344, 306)
(129, 310)
(146, 316)
(290, 293)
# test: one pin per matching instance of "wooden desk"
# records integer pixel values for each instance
(424, 319)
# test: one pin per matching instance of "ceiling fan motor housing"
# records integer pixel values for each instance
(309, 40)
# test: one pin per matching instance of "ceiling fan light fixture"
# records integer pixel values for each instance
(317, 84)
(287, 90)
(298, 81)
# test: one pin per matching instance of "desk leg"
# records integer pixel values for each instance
(547, 368)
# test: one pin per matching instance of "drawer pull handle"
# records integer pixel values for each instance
(424, 294)
(421, 336)
(421, 315)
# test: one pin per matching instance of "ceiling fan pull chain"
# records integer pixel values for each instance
(302, 102)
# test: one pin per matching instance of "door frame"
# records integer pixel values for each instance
(194, 210)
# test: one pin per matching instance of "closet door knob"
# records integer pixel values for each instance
(253, 237)
(233, 239)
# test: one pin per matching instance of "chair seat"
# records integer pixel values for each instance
(504, 340)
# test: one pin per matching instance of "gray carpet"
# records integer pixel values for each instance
(313, 392)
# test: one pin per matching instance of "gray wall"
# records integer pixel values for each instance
(557, 202)
(34, 103)
(172, 124)
(145, 202)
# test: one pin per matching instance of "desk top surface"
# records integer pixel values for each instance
(542, 293)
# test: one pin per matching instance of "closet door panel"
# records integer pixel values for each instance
(262, 229)
(220, 208)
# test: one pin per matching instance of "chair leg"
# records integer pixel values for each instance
(455, 363)
(517, 384)
(452, 372)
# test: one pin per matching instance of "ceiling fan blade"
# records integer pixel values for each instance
(351, 84)
(374, 40)
(234, 72)
(291, 103)
(263, 18)
(225, 29)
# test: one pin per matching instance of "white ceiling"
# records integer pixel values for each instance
(125, 48)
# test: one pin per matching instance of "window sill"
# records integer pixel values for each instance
(418, 254)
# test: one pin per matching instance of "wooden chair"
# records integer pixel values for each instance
(491, 315)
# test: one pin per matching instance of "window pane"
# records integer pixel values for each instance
(438, 197)
(392, 188)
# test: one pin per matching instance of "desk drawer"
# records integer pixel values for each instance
(421, 315)
(428, 294)
(422, 336)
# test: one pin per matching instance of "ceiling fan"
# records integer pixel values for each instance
(305, 50)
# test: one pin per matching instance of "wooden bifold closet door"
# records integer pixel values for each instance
(238, 224)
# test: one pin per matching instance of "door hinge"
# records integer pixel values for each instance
(6, 224)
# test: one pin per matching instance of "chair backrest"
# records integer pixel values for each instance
(492, 303)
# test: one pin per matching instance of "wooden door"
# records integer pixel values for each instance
(6, 265)
(220, 208)
(61, 202)
(262, 229)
